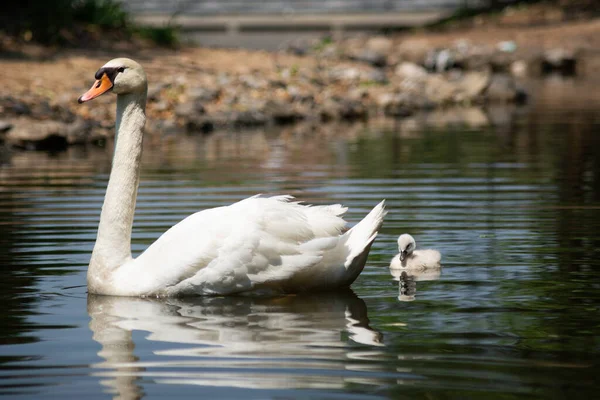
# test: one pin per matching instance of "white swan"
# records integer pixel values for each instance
(258, 244)
(414, 259)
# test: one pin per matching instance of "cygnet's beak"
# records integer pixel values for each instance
(402, 255)
(99, 87)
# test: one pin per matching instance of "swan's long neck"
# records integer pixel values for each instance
(113, 244)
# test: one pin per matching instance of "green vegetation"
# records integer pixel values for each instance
(322, 44)
(163, 36)
(73, 21)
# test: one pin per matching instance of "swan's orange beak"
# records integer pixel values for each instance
(99, 87)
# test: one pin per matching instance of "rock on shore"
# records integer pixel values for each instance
(189, 94)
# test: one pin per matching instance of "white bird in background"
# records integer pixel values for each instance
(258, 244)
(411, 258)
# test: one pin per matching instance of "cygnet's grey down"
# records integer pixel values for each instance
(411, 258)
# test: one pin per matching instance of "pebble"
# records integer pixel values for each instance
(384, 78)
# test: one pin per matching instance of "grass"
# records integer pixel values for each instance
(76, 22)
(166, 36)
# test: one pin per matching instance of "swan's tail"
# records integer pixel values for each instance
(359, 240)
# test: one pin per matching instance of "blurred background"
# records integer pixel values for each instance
(477, 121)
(217, 64)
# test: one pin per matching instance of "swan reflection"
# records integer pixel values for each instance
(408, 277)
(229, 341)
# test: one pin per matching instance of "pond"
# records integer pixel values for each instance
(514, 207)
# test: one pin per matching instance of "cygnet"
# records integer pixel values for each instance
(414, 259)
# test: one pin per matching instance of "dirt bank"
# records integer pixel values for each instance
(200, 89)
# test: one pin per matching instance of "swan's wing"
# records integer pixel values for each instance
(257, 242)
(423, 259)
(432, 257)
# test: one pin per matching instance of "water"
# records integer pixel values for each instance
(514, 209)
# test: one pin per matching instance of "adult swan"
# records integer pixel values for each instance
(256, 245)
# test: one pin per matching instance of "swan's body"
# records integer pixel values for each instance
(258, 244)
(410, 258)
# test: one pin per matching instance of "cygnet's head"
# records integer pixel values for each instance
(121, 76)
(406, 245)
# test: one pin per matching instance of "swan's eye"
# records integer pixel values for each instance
(121, 69)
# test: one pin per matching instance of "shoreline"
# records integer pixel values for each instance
(199, 90)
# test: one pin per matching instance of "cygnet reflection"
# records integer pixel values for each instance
(408, 278)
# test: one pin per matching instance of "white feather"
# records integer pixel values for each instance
(415, 259)
(257, 244)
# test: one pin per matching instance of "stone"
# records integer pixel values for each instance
(395, 104)
(370, 57)
(559, 60)
(380, 44)
(189, 109)
(49, 134)
(161, 105)
(502, 88)
(507, 46)
(5, 126)
(281, 113)
(254, 82)
(413, 50)
(155, 90)
(377, 76)
(478, 58)
(439, 90)
(166, 127)
(77, 132)
(202, 94)
(42, 110)
(202, 124)
(329, 110)
(352, 110)
(99, 136)
(347, 109)
(519, 69)
(162, 127)
(62, 112)
(412, 75)
(249, 118)
(20, 108)
(299, 94)
(38, 135)
(588, 62)
(557, 56)
(411, 71)
(473, 84)
(345, 74)
(439, 60)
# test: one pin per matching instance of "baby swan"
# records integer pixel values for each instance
(414, 259)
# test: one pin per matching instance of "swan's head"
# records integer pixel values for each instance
(406, 245)
(121, 76)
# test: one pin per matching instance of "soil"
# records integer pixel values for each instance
(61, 75)
(564, 34)
(57, 72)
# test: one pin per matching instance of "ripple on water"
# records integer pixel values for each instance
(513, 312)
